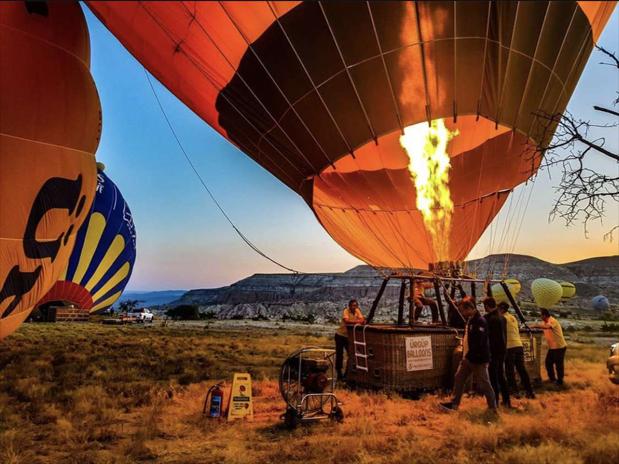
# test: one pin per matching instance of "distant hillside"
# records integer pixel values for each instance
(321, 296)
(151, 298)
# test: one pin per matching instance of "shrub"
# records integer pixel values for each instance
(184, 313)
(208, 315)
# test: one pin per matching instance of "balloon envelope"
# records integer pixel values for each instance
(569, 290)
(319, 93)
(104, 254)
(600, 303)
(499, 294)
(546, 292)
(50, 121)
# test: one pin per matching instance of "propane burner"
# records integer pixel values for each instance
(451, 269)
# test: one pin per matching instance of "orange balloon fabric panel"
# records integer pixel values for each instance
(49, 130)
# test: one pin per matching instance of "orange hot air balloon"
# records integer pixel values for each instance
(50, 122)
(320, 94)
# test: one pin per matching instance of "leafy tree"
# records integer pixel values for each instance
(184, 312)
(128, 305)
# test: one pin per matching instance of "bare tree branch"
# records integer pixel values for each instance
(606, 110)
(583, 194)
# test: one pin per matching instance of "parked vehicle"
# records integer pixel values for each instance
(141, 315)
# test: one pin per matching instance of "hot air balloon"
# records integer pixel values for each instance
(354, 104)
(600, 303)
(499, 294)
(102, 260)
(50, 122)
(546, 292)
(569, 290)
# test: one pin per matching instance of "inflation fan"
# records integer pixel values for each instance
(307, 384)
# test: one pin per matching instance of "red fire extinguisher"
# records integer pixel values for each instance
(215, 406)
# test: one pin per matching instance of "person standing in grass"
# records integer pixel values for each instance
(476, 357)
(555, 358)
(350, 316)
(514, 360)
(497, 335)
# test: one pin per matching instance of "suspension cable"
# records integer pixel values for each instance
(205, 186)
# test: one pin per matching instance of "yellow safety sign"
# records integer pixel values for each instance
(240, 404)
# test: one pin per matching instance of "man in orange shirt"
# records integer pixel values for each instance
(555, 358)
(420, 300)
(350, 316)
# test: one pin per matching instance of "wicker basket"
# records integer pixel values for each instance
(427, 361)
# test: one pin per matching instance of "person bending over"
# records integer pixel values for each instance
(555, 358)
(514, 359)
(350, 316)
(497, 334)
(475, 360)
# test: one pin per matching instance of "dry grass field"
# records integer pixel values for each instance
(105, 394)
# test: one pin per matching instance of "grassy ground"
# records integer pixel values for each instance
(105, 394)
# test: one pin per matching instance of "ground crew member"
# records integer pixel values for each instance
(350, 315)
(476, 357)
(514, 360)
(555, 358)
(497, 335)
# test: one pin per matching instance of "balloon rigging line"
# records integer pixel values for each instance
(205, 186)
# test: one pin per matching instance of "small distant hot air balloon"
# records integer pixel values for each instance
(600, 303)
(499, 294)
(101, 262)
(569, 290)
(50, 123)
(546, 292)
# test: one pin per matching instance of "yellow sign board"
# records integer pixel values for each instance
(240, 404)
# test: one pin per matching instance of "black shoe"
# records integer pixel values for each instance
(530, 395)
(449, 406)
(507, 405)
(516, 395)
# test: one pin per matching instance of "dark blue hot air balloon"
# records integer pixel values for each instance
(600, 303)
(104, 254)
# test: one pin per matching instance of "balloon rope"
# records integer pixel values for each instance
(208, 190)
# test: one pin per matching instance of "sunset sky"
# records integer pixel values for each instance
(184, 242)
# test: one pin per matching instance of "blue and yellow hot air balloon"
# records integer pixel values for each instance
(102, 260)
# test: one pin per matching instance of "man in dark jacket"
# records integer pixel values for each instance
(497, 335)
(476, 357)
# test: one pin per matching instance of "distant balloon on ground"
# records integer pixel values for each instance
(101, 262)
(499, 294)
(600, 303)
(50, 124)
(569, 290)
(546, 292)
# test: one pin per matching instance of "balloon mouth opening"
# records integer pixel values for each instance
(367, 203)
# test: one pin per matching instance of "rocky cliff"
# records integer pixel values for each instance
(320, 297)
